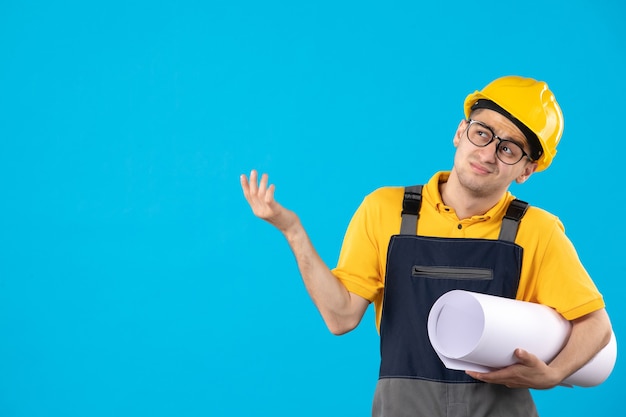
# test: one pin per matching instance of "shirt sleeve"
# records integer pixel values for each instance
(558, 277)
(358, 267)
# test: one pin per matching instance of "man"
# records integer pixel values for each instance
(406, 247)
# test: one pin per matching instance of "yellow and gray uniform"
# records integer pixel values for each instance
(549, 263)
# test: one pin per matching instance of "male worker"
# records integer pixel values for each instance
(405, 247)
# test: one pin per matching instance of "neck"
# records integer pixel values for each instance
(466, 202)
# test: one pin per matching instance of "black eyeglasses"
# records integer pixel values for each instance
(507, 151)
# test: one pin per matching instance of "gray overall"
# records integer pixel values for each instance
(413, 381)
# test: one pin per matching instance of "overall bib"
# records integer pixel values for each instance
(413, 381)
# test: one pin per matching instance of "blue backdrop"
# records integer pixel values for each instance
(134, 279)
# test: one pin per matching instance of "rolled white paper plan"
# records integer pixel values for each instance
(479, 332)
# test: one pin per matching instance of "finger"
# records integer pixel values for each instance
(244, 185)
(522, 356)
(253, 182)
(263, 184)
(481, 376)
(475, 375)
(488, 376)
(269, 196)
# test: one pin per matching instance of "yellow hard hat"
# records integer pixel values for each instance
(533, 104)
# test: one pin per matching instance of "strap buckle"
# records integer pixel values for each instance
(516, 210)
(412, 202)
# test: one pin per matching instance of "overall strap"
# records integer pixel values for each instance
(510, 222)
(413, 201)
(411, 209)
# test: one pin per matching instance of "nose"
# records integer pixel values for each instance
(488, 153)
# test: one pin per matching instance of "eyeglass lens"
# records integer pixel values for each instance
(507, 151)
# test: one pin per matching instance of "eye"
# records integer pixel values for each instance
(504, 148)
(482, 132)
(510, 149)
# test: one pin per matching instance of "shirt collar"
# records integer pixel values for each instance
(433, 195)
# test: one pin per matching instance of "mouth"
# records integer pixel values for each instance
(480, 169)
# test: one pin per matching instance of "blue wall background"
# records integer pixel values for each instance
(134, 279)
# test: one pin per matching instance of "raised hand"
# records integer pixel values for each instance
(342, 310)
(260, 197)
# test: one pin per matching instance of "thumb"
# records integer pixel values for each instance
(523, 356)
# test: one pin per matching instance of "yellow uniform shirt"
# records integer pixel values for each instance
(552, 273)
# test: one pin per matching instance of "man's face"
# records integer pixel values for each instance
(478, 168)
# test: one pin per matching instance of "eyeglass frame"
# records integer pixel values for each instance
(470, 122)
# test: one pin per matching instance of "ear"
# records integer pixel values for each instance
(460, 131)
(528, 171)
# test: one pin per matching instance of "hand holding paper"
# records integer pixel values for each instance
(528, 371)
(479, 332)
